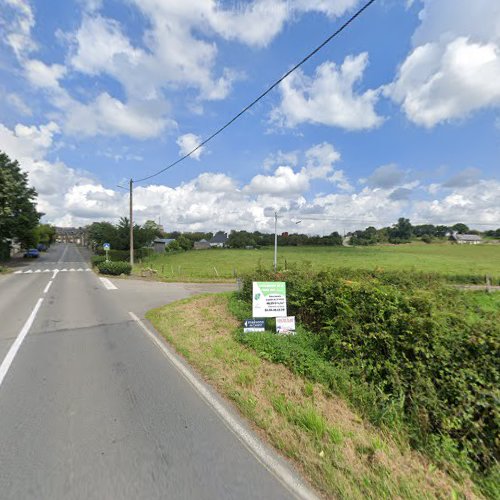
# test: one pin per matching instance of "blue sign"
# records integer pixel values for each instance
(106, 246)
(254, 325)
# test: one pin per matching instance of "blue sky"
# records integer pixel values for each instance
(398, 116)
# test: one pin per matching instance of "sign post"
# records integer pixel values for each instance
(254, 325)
(106, 247)
(285, 325)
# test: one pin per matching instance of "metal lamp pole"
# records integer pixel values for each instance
(131, 224)
(275, 241)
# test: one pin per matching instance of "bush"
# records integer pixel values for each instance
(421, 344)
(97, 259)
(114, 268)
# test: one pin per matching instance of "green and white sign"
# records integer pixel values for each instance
(269, 299)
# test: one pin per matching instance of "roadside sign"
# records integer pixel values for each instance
(285, 325)
(254, 325)
(269, 299)
(106, 246)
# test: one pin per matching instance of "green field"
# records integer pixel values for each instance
(225, 263)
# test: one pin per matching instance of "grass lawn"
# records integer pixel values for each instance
(226, 263)
(341, 455)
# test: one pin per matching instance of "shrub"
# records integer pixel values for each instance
(420, 343)
(114, 268)
(97, 259)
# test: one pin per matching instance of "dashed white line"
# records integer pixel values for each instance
(4, 367)
(46, 289)
(107, 284)
(292, 482)
(54, 273)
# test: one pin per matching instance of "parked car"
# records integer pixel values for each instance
(41, 247)
(32, 253)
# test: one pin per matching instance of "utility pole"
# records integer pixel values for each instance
(131, 224)
(275, 241)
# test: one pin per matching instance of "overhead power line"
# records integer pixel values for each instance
(261, 96)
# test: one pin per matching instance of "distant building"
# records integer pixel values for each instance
(469, 239)
(71, 235)
(201, 245)
(219, 240)
(159, 244)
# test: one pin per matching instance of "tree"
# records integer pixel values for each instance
(103, 232)
(460, 228)
(18, 214)
(401, 232)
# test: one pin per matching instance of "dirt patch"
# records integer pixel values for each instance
(336, 451)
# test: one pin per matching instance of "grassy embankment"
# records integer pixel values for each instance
(309, 421)
(200, 265)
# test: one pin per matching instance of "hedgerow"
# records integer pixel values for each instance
(114, 268)
(418, 343)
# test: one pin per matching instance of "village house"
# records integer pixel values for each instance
(469, 239)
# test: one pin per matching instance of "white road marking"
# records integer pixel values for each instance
(28, 272)
(88, 269)
(107, 284)
(38, 271)
(47, 287)
(63, 254)
(54, 274)
(79, 269)
(18, 272)
(4, 367)
(254, 445)
(46, 270)
(64, 270)
(72, 269)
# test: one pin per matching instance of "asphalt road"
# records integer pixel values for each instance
(90, 408)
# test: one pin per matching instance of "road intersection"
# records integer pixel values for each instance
(91, 408)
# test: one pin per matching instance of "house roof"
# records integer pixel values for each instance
(166, 241)
(467, 237)
(202, 241)
(219, 237)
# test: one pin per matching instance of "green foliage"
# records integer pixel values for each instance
(97, 259)
(423, 346)
(119, 236)
(114, 268)
(18, 214)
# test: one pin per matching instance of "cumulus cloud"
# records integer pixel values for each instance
(386, 176)
(187, 143)
(464, 178)
(43, 75)
(329, 97)
(454, 65)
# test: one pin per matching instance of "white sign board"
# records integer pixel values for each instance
(269, 299)
(254, 325)
(285, 325)
(106, 246)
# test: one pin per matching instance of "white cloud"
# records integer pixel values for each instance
(284, 182)
(106, 115)
(42, 75)
(187, 143)
(17, 102)
(17, 26)
(328, 98)
(453, 68)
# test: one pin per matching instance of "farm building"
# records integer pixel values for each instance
(201, 245)
(469, 239)
(160, 244)
(219, 240)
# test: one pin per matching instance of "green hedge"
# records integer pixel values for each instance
(425, 347)
(114, 268)
(97, 259)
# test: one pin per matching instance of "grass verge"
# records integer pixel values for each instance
(337, 451)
